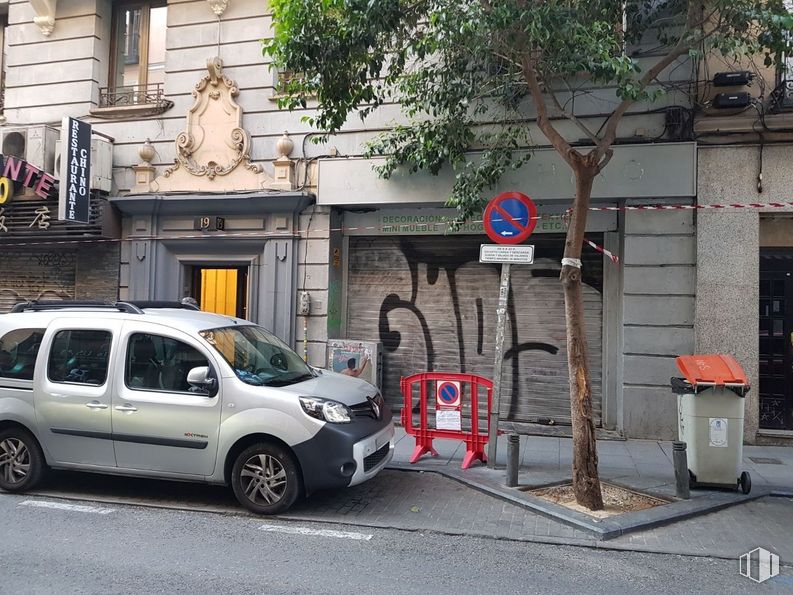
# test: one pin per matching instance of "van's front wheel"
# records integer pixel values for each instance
(21, 460)
(265, 478)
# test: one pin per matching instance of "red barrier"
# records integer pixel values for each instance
(450, 393)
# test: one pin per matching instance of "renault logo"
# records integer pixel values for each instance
(375, 407)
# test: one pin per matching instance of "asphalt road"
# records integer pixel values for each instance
(59, 546)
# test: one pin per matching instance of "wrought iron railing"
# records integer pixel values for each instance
(151, 94)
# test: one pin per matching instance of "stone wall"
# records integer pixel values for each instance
(658, 316)
(728, 243)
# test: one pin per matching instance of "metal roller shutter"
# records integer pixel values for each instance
(433, 306)
(31, 275)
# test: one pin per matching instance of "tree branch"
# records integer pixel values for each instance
(694, 20)
(571, 116)
(543, 121)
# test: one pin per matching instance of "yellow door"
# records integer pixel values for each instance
(219, 291)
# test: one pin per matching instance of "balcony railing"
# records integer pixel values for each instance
(151, 94)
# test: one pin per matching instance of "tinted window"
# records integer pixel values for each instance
(80, 357)
(18, 351)
(160, 363)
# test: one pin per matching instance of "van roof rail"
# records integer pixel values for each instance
(45, 305)
(144, 304)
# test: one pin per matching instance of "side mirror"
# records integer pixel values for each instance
(199, 378)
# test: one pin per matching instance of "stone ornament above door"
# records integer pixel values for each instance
(213, 154)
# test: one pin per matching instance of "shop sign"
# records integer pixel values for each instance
(37, 219)
(435, 221)
(74, 204)
(20, 171)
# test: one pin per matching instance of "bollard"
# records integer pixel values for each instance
(681, 470)
(513, 459)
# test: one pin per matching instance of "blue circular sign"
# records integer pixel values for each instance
(448, 393)
(510, 218)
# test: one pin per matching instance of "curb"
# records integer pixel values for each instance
(608, 528)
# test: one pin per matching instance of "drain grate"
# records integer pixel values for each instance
(765, 461)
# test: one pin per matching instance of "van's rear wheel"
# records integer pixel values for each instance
(265, 478)
(21, 460)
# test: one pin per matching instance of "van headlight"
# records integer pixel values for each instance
(326, 410)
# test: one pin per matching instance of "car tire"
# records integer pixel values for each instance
(22, 464)
(265, 478)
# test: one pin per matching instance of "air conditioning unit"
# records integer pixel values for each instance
(34, 144)
(101, 163)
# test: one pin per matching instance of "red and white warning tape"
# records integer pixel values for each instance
(613, 257)
(750, 205)
(307, 232)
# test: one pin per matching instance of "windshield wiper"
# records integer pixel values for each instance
(288, 381)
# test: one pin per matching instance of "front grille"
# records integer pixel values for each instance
(367, 408)
(374, 459)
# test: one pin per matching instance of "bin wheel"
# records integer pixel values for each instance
(746, 482)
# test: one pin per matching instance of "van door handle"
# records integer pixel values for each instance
(125, 408)
(96, 405)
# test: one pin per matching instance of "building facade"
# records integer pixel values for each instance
(206, 195)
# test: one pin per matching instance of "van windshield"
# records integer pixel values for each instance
(258, 358)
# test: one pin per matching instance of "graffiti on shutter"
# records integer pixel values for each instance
(433, 306)
(39, 275)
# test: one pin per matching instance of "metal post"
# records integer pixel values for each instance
(513, 459)
(680, 460)
(503, 294)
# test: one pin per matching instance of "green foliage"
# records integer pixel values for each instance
(457, 68)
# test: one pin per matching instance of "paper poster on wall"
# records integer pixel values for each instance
(718, 432)
(355, 358)
(448, 419)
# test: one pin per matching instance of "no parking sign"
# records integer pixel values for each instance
(447, 393)
(447, 409)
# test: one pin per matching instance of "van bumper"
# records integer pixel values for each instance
(372, 454)
(342, 455)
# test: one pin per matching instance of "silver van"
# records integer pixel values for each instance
(162, 390)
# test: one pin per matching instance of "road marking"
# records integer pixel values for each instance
(316, 532)
(64, 506)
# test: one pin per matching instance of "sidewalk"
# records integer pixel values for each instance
(761, 520)
(645, 463)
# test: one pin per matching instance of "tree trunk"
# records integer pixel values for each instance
(586, 482)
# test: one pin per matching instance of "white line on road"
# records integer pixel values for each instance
(64, 506)
(315, 532)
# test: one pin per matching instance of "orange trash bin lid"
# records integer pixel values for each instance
(711, 369)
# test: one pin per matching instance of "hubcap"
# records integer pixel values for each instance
(263, 479)
(14, 460)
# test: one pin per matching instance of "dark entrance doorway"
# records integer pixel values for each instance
(776, 339)
(219, 289)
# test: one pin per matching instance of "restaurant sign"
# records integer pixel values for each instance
(16, 173)
(74, 204)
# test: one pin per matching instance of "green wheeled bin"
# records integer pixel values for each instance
(710, 407)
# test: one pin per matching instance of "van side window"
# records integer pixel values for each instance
(80, 356)
(18, 351)
(161, 364)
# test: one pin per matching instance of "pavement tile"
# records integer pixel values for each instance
(542, 443)
(612, 447)
(616, 461)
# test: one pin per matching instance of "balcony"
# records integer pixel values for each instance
(134, 100)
